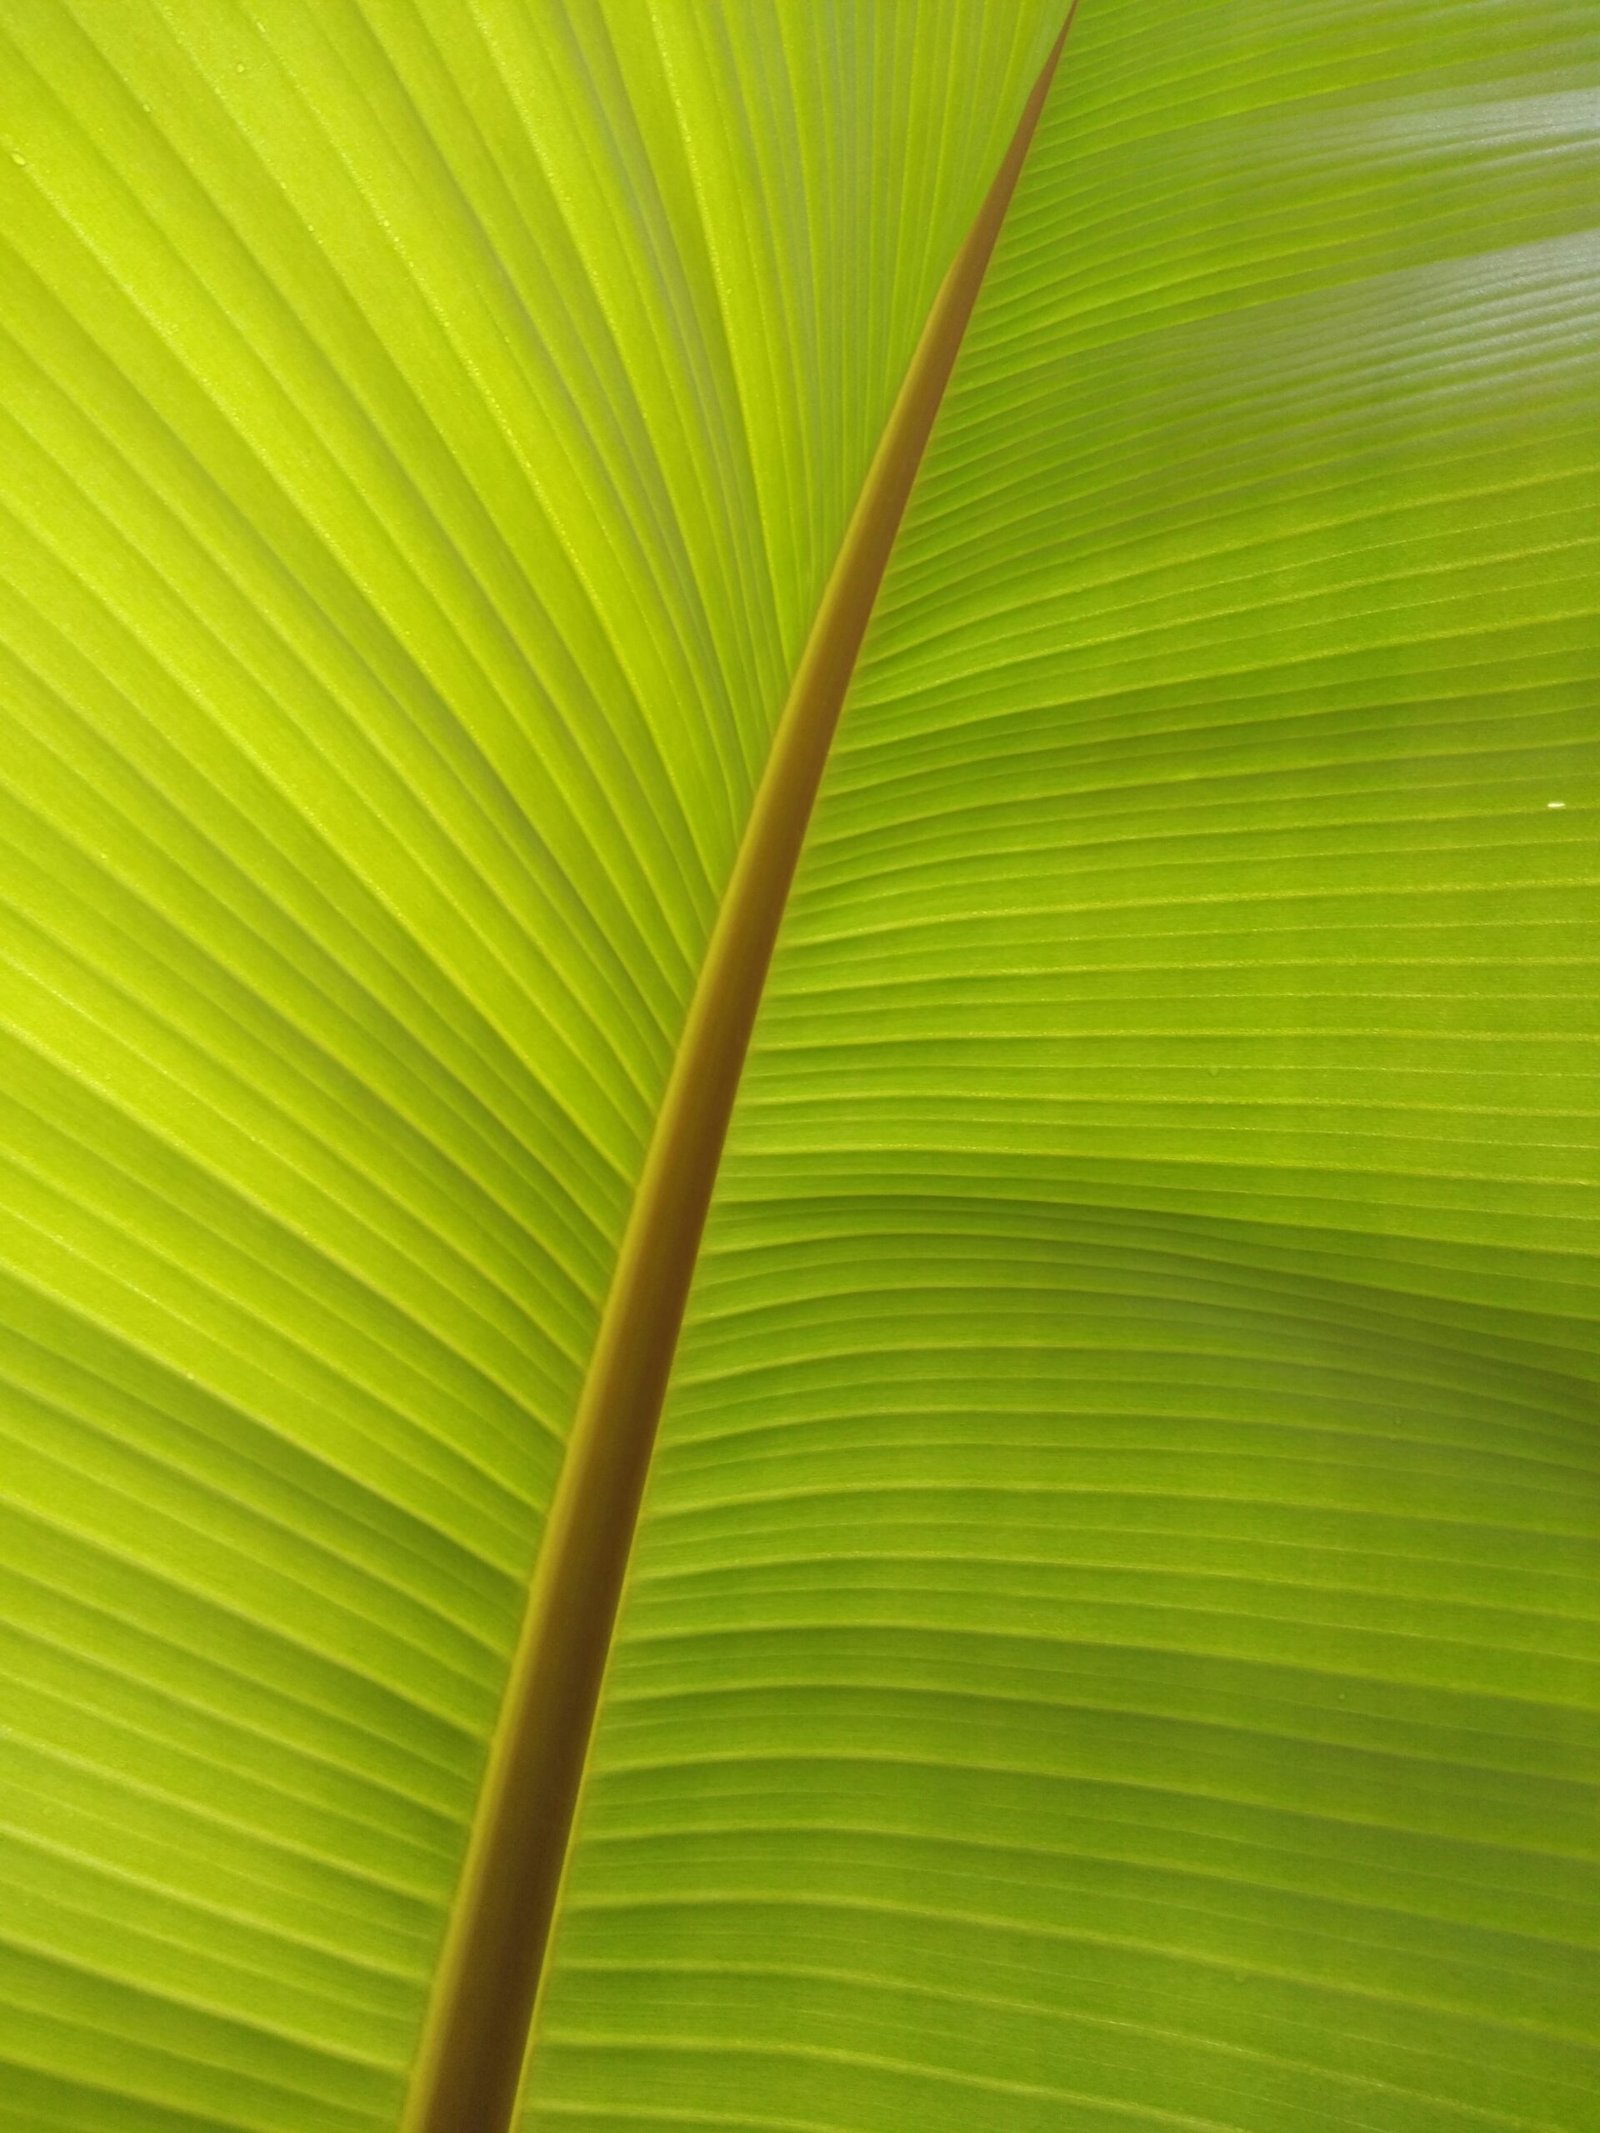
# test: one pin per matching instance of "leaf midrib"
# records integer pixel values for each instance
(469, 2063)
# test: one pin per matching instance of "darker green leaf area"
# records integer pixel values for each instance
(1113, 1640)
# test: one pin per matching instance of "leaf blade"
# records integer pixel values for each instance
(391, 646)
(1113, 1634)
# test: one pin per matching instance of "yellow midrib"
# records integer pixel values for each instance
(468, 2067)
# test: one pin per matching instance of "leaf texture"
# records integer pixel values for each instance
(428, 429)
(1112, 1637)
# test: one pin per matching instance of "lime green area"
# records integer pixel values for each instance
(427, 429)
(1112, 1641)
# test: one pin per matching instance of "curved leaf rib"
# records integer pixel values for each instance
(471, 2056)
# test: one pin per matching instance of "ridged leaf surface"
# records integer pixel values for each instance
(427, 432)
(1111, 1640)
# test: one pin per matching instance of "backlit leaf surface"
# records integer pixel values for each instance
(428, 429)
(1112, 1637)
(1111, 1641)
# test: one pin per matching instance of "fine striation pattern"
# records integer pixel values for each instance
(1112, 1641)
(425, 431)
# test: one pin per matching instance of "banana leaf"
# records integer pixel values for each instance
(1091, 1623)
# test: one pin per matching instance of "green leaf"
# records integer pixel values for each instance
(428, 432)
(1111, 1637)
